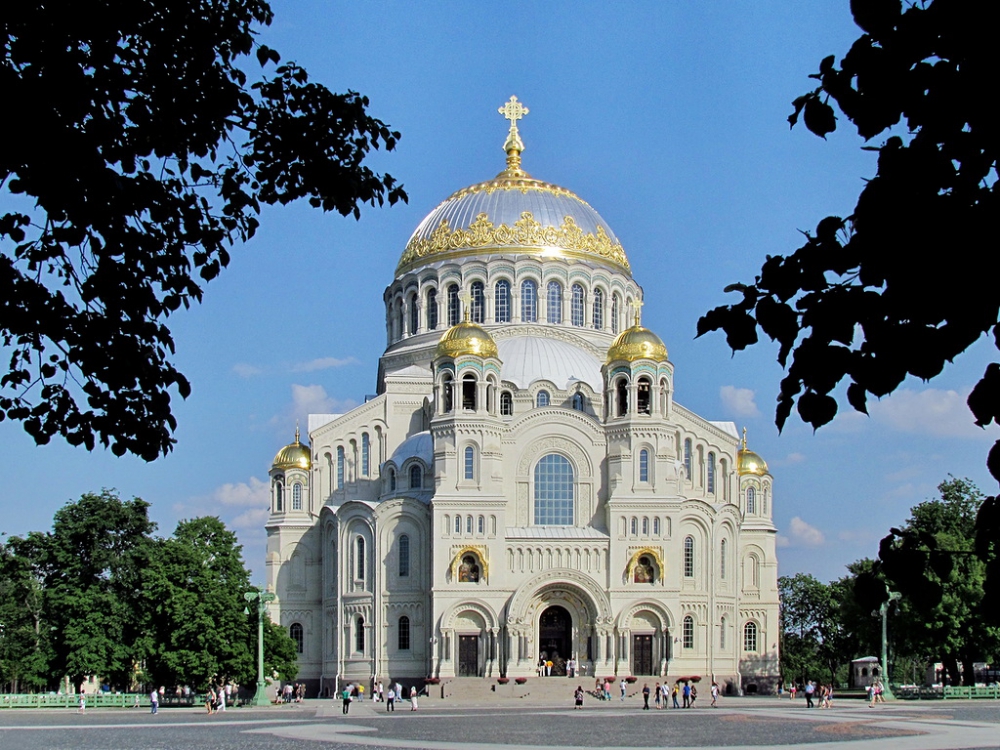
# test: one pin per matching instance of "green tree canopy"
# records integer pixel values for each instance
(136, 154)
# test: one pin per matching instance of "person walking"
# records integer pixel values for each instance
(413, 697)
(715, 695)
(791, 692)
(221, 698)
(810, 689)
(578, 697)
(645, 697)
(347, 698)
(673, 694)
(623, 686)
(390, 700)
(82, 705)
(657, 696)
(686, 692)
(607, 690)
(154, 702)
(694, 695)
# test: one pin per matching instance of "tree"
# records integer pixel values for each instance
(137, 158)
(24, 643)
(815, 636)
(855, 301)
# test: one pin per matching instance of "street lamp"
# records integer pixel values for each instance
(884, 611)
(262, 598)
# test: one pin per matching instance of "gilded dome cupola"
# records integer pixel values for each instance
(748, 462)
(635, 343)
(467, 338)
(293, 456)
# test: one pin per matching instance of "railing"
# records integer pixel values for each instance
(95, 700)
(946, 692)
(993, 691)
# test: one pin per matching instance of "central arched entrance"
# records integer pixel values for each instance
(555, 636)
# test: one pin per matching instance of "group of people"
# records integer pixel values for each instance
(876, 693)
(217, 697)
(292, 693)
(662, 694)
(391, 696)
(813, 692)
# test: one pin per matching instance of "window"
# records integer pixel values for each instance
(296, 634)
(554, 491)
(403, 634)
(506, 404)
(297, 496)
(615, 313)
(447, 394)
(644, 465)
(643, 392)
(633, 527)
(359, 635)
(598, 309)
(687, 459)
(621, 396)
(399, 319)
(722, 632)
(478, 313)
(279, 497)
(366, 450)
(529, 302)
(688, 632)
(578, 401)
(416, 478)
(723, 553)
(468, 525)
(361, 558)
(454, 306)
(458, 524)
(414, 314)
(750, 637)
(689, 557)
(481, 525)
(710, 474)
(470, 462)
(553, 302)
(542, 399)
(645, 527)
(392, 480)
(751, 501)
(501, 301)
(469, 387)
(404, 556)
(576, 306)
(432, 310)
(340, 467)
(656, 526)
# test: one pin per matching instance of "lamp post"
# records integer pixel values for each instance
(262, 598)
(884, 611)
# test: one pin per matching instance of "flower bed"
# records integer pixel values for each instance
(432, 680)
(631, 680)
(503, 680)
(520, 680)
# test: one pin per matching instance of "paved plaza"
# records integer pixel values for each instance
(739, 723)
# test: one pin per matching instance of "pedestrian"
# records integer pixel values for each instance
(657, 696)
(607, 690)
(623, 686)
(390, 700)
(413, 697)
(154, 701)
(220, 698)
(210, 700)
(791, 692)
(673, 694)
(347, 698)
(715, 695)
(379, 693)
(810, 689)
(645, 697)
(686, 692)
(578, 697)
(82, 706)
(694, 694)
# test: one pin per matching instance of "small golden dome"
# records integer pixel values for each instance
(748, 462)
(637, 343)
(293, 456)
(467, 338)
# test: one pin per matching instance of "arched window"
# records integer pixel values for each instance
(645, 526)
(723, 550)
(751, 501)
(750, 637)
(416, 478)
(454, 306)
(576, 306)
(458, 524)
(279, 496)
(656, 526)
(478, 313)
(470, 462)
(366, 450)
(359, 635)
(529, 302)
(468, 524)
(297, 496)
(722, 632)
(481, 525)
(633, 527)
(689, 557)
(414, 315)
(340, 467)
(296, 634)
(432, 310)
(542, 399)
(578, 401)
(554, 491)
(403, 634)
(447, 394)
(688, 632)
(469, 387)
(404, 556)
(553, 302)
(400, 332)
(392, 480)
(506, 404)
(644, 465)
(621, 397)
(687, 460)
(598, 309)
(501, 301)
(360, 571)
(751, 572)
(615, 312)
(643, 395)
(710, 474)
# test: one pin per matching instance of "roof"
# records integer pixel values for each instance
(529, 358)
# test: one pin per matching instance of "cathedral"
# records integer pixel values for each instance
(524, 487)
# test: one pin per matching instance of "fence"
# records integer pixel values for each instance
(94, 700)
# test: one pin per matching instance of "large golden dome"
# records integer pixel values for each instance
(637, 343)
(467, 338)
(293, 456)
(748, 462)
(513, 213)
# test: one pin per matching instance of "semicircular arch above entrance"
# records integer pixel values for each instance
(530, 594)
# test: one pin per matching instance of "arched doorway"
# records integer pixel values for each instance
(555, 636)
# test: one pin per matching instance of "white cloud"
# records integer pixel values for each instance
(791, 459)
(932, 411)
(782, 541)
(253, 493)
(739, 401)
(801, 534)
(310, 399)
(323, 363)
(252, 519)
(245, 370)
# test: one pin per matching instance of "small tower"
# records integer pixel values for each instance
(755, 484)
(290, 478)
(637, 375)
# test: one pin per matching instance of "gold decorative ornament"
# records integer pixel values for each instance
(650, 552)
(467, 338)
(748, 462)
(293, 456)
(513, 110)
(637, 342)
(478, 552)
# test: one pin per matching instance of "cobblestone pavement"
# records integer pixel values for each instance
(756, 723)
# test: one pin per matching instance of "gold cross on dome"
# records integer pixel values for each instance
(638, 310)
(513, 110)
(466, 299)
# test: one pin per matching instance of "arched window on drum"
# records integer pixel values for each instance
(478, 313)
(577, 306)
(529, 301)
(501, 301)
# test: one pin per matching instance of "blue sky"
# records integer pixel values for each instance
(669, 119)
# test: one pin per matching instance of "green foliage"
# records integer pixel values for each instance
(24, 643)
(141, 156)
(853, 302)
